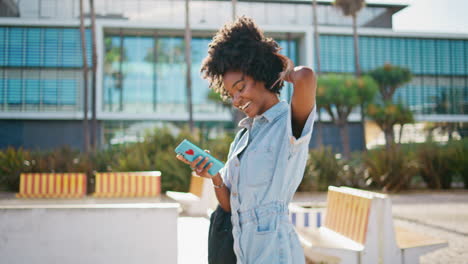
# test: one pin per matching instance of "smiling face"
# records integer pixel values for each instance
(248, 95)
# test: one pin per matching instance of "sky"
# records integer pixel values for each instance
(441, 16)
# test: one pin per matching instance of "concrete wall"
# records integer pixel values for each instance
(111, 233)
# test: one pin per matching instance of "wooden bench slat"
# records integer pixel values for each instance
(128, 184)
(409, 239)
(52, 185)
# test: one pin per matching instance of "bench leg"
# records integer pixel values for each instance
(411, 255)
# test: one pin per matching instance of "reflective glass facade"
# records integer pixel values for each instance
(42, 47)
(146, 74)
(439, 66)
(40, 68)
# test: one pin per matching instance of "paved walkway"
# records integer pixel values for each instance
(439, 214)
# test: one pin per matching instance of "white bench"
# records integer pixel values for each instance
(200, 199)
(359, 228)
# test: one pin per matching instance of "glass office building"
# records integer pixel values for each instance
(141, 65)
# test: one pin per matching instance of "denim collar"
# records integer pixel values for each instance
(269, 115)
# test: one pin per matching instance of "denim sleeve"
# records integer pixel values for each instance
(306, 131)
(225, 176)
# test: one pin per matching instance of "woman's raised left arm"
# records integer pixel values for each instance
(303, 97)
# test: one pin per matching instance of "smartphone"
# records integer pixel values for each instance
(190, 152)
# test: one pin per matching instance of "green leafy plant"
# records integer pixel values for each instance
(390, 169)
(459, 157)
(12, 163)
(322, 170)
(387, 115)
(385, 112)
(441, 163)
(339, 95)
(434, 169)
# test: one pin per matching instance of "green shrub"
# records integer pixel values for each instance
(459, 159)
(354, 171)
(322, 170)
(62, 159)
(436, 165)
(155, 152)
(12, 163)
(390, 170)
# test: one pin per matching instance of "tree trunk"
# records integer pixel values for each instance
(316, 37)
(363, 127)
(188, 61)
(234, 9)
(389, 137)
(343, 125)
(319, 129)
(400, 133)
(356, 47)
(318, 68)
(357, 66)
(85, 81)
(155, 70)
(121, 75)
(94, 139)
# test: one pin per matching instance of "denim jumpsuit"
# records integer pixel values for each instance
(264, 168)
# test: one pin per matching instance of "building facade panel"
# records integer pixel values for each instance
(148, 74)
(440, 82)
(40, 90)
(42, 47)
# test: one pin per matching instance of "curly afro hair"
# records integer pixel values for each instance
(241, 46)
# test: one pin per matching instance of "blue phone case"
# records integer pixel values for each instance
(191, 152)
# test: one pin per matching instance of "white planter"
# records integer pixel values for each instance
(308, 215)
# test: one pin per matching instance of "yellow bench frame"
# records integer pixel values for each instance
(52, 185)
(127, 184)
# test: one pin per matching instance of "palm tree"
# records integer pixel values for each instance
(351, 8)
(94, 139)
(389, 78)
(234, 9)
(318, 69)
(85, 81)
(188, 61)
(316, 36)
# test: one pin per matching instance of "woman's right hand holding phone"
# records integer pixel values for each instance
(222, 192)
(199, 165)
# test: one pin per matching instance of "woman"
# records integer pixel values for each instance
(267, 158)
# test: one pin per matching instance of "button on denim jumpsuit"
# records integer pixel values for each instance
(264, 168)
